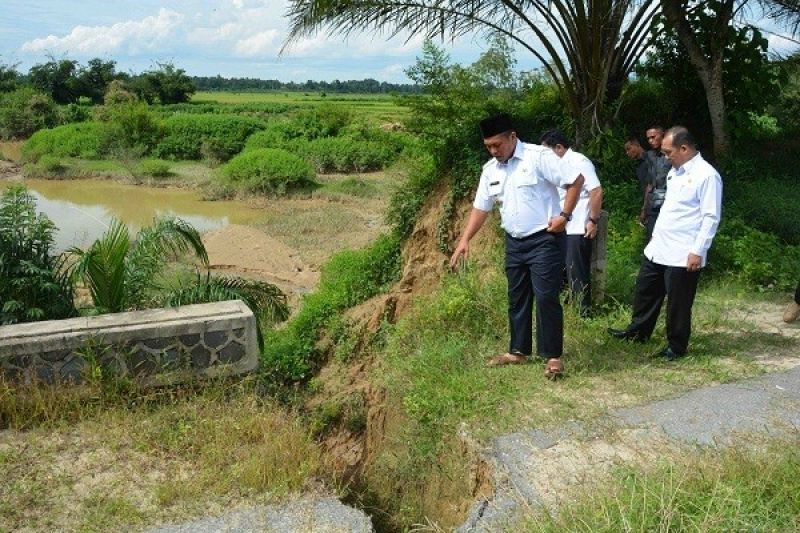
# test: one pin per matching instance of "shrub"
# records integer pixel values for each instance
(130, 129)
(324, 120)
(24, 111)
(185, 135)
(154, 168)
(756, 257)
(83, 139)
(276, 134)
(33, 286)
(268, 171)
(349, 278)
(345, 154)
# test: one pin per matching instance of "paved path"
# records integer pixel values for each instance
(325, 515)
(532, 467)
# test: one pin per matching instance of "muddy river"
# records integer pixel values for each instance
(83, 209)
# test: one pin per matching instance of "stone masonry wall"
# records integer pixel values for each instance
(152, 347)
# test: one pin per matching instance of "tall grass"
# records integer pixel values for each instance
(738, 489)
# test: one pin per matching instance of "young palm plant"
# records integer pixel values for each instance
(121, 273)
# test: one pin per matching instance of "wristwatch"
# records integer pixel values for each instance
(566, 215)
(594, 221)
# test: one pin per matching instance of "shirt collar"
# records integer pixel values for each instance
(518, 149)
(687, 167)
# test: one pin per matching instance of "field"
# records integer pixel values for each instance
(383, 107)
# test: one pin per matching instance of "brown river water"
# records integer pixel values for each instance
(83, 209)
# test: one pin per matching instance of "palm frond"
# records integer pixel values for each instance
(102, 267)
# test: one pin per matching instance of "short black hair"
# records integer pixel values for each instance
(681, 136)
(634, 139)
(553, 137)
(658, 127)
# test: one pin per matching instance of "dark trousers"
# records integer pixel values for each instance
(679, 286)
(797, 294)
(533, 267)
(578, 260)
(650, 223)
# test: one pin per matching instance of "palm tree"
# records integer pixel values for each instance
(588, 47)
(121, 273)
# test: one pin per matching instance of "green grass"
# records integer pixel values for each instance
(381, 106)
(737, 489)
(434, 369)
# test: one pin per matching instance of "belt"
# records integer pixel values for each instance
(526, 237)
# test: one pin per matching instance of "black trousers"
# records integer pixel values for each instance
(650, 223)
(578, 260)
(797, 294)
(534, 266)
(679, 286)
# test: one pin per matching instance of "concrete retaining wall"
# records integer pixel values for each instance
(152, 347)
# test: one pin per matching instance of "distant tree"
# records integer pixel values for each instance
(9, 78)
(57, 79)
(93, 79)
(166, 85)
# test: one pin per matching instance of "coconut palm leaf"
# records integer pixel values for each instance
(588, 47)
(267, 301)
(102, 267)
(165, 238)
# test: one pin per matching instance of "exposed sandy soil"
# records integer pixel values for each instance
(250, 251)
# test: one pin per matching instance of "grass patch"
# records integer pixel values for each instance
(434, 368)
(148, 457)
(737, 489)
(350, 186)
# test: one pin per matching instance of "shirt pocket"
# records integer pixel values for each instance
(495, 188)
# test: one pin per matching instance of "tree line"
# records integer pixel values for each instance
(367, 85)
(66, 81)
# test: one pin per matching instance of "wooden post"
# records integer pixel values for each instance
(598, 263)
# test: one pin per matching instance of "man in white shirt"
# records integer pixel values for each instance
(585, 217)
(677, 251)
(523, 180)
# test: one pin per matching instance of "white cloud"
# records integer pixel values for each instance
(147, 33)
(262, 43)
(781, 45)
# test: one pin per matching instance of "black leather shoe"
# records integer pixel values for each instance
(625, 334)
(670, 355)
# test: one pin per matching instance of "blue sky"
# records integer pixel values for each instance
(239, 38)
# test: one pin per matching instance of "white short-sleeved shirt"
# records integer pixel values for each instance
(525, 188)
(690, 215)
(575, 164)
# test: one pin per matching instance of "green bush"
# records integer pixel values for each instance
(33, 286)
(24, 111)
(349, 278)
(268, 171)
(764, 197)
(130, 129)
(754, 256)
(154, 168)
(185, 134)
(83, 139)
(345, 154)
(276, 134)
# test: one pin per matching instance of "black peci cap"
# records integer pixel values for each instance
(496, 124)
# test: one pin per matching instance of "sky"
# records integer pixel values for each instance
(232, 38)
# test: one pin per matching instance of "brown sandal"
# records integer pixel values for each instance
(554, 368)
(508, 359)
